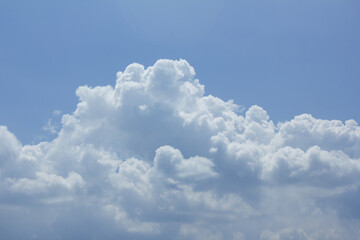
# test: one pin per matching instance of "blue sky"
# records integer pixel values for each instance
(290, 57)
(184, 120)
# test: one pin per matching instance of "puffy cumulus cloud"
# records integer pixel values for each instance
(171, 162)
(153, 157)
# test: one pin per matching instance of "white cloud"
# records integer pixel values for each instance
(155, 158)
(10, 147)
(171, 162)
(45, 182)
